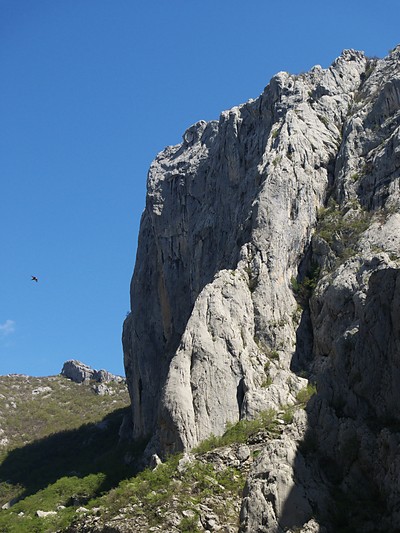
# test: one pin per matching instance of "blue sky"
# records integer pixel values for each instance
(90, 91)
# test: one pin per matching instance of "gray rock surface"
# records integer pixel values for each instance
(45, 514)
(238, 217)
(79, 372)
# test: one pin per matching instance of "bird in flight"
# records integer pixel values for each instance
(34, 278)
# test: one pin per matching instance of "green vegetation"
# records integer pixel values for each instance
(274, 355)
(302, 398)
(304, 395)
(277, 160)
(190, 525)
(150, 492)
(63, 492)
(355, 176)
(83, 466)
(59, 472)
(303, 289)
(267, 382)
(288, 413)
(341, 228)
(241, 431)
(29, 414)
(65, 469)
(371, 64)
(63, 448)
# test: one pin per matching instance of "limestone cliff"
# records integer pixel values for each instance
(292, 193)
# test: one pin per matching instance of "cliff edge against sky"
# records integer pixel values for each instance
(268, 256)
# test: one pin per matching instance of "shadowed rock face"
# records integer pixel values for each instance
(233, 215)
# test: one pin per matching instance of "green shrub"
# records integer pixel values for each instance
(53, 458)
(288, 413)
(304, 395)
(304, 289)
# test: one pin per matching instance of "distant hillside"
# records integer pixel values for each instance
(57, 435)
(32, 408)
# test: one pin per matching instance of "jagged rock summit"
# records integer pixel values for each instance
(269, 255)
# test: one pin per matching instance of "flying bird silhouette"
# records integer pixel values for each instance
(34, 278)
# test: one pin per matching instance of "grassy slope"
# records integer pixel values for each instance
(62, 447)
(26, 416)
(64, 453)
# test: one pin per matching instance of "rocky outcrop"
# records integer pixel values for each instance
(79, 373)
(292, 193)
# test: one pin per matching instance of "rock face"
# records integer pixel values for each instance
(292, 193)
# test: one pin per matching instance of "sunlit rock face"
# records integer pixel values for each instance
(294, 192)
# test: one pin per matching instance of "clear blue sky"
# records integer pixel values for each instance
(90, 91)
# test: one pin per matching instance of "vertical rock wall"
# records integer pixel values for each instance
(305, 177)
(229, 215)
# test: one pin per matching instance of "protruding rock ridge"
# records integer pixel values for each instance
(298, 189)
(79, 372)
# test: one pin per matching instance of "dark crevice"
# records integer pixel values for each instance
(240, 395)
